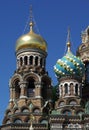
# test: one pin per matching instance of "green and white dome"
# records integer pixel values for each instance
(69, 65)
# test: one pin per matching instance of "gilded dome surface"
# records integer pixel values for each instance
(31, 40)
(69, 65)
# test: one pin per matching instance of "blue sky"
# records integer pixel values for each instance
(52, 17)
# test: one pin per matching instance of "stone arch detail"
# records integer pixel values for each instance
(42, 118)
(16, 109)
(34, 75)
(12, 80)
(23, 108)
(72, 99)
(36, 108)
(59, 103)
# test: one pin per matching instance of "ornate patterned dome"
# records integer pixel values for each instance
(31, 40)
(69, 65)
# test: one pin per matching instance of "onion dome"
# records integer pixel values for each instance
(31, 40)
(69, 65)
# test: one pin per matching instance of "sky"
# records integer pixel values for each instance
(52, 19)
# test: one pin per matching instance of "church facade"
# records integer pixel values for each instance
(34, 103)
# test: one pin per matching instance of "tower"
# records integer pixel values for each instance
(83, 53)
(30, 86)
(69, 71)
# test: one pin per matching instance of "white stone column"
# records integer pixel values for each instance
(68, 89)
(33, 60)
(74, 89)
(78, 90)
(17, 63)
(63, 90)
(38, 61)
(23, 61)
(38, 88)
(23, 87)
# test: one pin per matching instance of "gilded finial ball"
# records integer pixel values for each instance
(68, 44)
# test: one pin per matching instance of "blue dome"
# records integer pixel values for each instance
(69, 65)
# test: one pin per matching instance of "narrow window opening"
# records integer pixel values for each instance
(31, 87)
(36, 60)
(25, 60)
(31, 60)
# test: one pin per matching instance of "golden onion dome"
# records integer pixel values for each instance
(31, 40)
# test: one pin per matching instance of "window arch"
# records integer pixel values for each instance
(31, 60)
(31, 87)
(8, 121)
(83, 47)
(36, 60)
(16, 111)
(17, 88)
(36, 110)
(61, 103)
(44, 121)
(21, 61)
(8, 113)
(25, 60)
(76, 89)
(17, 121)
(25, 110)
(70, 126)
(72, 102)
(66, 88)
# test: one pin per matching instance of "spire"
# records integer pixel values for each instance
(68, 41)
(31, 19)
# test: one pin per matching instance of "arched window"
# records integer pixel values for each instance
(25, 60)
(31, 87)
(8, 121)
(66, 88)
(25, 110)
(21, 61)
(76, 89)
(31, 60)
(36, 60)
(9, 113)
(44, 121)
(70, 126)
(16, 111)
(17, 121)
(17, 89)
(61, 103)
(36, 110)
(72, 102)
(83, 46)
